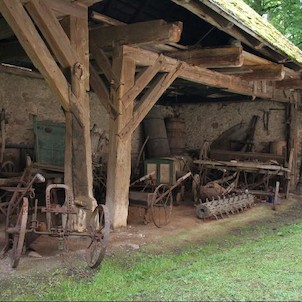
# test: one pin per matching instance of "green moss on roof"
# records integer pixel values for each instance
(253, 21)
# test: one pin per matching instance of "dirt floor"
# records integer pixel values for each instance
(184, 228)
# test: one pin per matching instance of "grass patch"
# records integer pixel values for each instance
(248, 264)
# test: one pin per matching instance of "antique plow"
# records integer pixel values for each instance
(19, 226)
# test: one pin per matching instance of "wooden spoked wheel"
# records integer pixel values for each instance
(161, 206)
(99, 229)
(18, 234)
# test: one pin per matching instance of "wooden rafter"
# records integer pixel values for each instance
(289, 84)
(211, 57)
(156, 90)
(34, 46)
(272, 72)
(207, 77)
(137, 33)
(53, 32)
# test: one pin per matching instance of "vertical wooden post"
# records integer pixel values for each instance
(119, 162)
(80, 177)
(293, 145)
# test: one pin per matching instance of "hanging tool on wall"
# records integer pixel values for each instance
(249, 141)
(265, 120)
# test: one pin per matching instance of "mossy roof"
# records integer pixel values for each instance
(251, 20)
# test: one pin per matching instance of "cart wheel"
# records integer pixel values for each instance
(19, 234)
(161, 206)
(99, 229)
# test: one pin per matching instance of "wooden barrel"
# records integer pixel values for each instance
(155, 128)
(278, 147)
(176, 135)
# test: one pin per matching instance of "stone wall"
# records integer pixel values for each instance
(23, 98)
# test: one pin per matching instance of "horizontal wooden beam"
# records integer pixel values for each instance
(271, 72)
(105, 19)
(53, 32)
(211, 57)
(137, 33)
(206, 77)
(289, 84)
(34, 46)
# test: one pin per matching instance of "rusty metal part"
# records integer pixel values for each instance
(99, 229)
(161, 206)
(19, 234)
(224, 206)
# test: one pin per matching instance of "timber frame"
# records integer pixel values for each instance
(132, 66)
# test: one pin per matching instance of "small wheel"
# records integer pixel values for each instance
(161, 206)
(202, 211)
(19, 234)
(99, 229)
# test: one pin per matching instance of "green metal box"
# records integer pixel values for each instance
(49, 143)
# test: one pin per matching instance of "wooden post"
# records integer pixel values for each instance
(81, 161)
(276, 195)
(119, 162)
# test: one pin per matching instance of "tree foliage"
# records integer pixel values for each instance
(285, 15)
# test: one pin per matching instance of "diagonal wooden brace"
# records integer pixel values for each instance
(150, 99)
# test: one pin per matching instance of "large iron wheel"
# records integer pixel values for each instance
(18, 234)
(99, 229)
(161, 206)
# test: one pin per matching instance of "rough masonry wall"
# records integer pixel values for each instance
(205, 122)
(22, 98)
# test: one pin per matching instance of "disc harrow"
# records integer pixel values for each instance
(225, 206)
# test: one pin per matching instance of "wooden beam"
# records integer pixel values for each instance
(118, 175)
(211, 57)
(105, 19)
(34, 46)
(206, 77)
(137, 33)
(289, 84)
(272, 72)
(156, 90)
(102, 93)
(53, 32)
(63, 8)
(143, 78)
(103, 63)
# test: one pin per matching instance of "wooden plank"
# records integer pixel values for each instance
(158, 87)
(211, 57)
(141, 82)
(102, 93)
(207, 77)
(103, 63)
(137, 33)
(52, 31)
(24, 29)
(271, 72)
(289, 84)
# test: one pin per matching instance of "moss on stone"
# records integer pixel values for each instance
(253, 21)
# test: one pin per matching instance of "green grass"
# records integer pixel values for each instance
(258, 264)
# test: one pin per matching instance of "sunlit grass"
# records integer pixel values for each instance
(233, 267)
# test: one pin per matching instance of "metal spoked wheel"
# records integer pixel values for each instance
(18, 233)
(161, 206)
(99, 229)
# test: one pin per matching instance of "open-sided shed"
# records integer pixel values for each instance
(133, 54)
